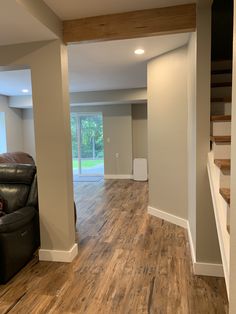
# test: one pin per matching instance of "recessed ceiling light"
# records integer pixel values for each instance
(139, 51)
(25, 90)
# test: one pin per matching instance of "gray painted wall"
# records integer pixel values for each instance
(13, 119)
(28, 132)
(139, 129)
(167, 132)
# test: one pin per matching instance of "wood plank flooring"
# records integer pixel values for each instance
(128, 262)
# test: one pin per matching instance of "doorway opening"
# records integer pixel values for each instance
(87, 144)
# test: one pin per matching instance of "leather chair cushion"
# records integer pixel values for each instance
(15, 195)
(15, 184)
(16, 158)
(17, 173)
(17, 220)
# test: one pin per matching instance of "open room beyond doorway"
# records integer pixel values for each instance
(130, 259)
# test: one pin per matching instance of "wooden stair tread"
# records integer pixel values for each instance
(220, 118)
(225, 193)
(221, 99)
(221, 71)
(223, 164)
(221, 84)
(221, 139)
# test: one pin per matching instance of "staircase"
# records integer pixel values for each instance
(219, 157)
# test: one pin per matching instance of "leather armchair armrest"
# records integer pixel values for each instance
(17, 220)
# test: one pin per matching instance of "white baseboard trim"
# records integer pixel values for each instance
(118, 176)
(203, 269)
(192, 249)
(208, 269)
(168, 217)
(59, 256)
(199, 268)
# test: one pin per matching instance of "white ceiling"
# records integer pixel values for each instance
(113, 64)
(102, 66)
(74, 9)
(19, 26)
(12, 82)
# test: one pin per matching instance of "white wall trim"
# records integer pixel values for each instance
(208, 269)
(192, 249)
(203, 269)
(220, 208)
(168, 217)
(118, 176)
(199, 268)
(59, 256)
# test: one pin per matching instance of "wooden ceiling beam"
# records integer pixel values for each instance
(144, 23)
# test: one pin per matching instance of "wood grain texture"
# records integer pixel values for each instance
(221, 84)
(221, 99)
(220, 118)
(225, 192)
(221, 139)
(128, 263)
(223, 164)
(221, 71)
(152, 22)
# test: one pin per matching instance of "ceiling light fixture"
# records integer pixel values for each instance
(25, 90)
(139, 51)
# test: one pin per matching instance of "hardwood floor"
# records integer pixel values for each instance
(128, 262)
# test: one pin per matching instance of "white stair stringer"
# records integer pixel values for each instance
(221, 215)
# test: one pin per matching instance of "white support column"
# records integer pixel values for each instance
(53, 152)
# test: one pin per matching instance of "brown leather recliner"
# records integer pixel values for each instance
(19, 223)
(23, 158)
(19, 219)
(16, 158)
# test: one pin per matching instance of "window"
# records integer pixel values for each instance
(87, 144)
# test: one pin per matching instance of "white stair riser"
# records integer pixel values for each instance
(221, 151)
(219, 78)
(221, 65)
(225, 213)
(221, 92)
(224, 180)
(228, 108)
(221, 128)
(220, 108)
